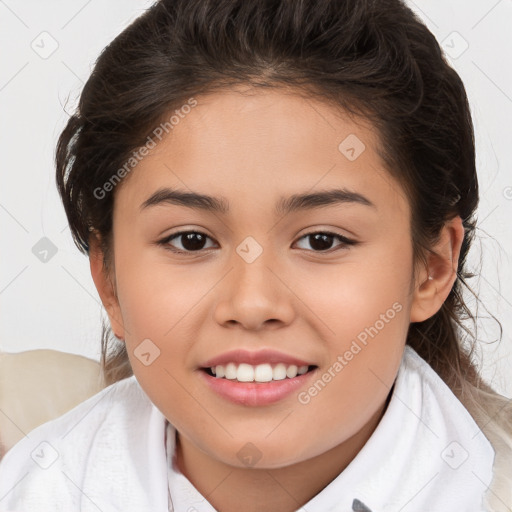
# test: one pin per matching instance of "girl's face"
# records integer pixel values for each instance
(323, 281)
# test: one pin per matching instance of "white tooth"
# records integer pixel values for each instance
(245, 373)
(260, 373)
(230, 370)
(279, 372)
(291, 371)
(263, 373)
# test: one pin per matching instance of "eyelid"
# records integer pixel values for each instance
(345, 241)
(165, 241)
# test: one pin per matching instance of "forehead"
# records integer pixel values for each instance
(251, 143)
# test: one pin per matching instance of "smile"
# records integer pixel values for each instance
(251, 392)
(257, 373)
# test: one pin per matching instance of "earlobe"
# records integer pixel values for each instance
(105, 286)
(434, 283)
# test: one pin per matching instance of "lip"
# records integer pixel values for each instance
(255, 357)
(255, 394)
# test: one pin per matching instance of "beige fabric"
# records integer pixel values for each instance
(39, 385)
(493, 414)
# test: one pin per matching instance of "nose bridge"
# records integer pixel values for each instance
(252, 294)
(251, 273)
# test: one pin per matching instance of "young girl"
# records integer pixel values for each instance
(277, 200)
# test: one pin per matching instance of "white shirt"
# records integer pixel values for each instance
(114, 452)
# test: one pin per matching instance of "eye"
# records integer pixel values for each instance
(194, 241)
(190, 241)
(322, 241)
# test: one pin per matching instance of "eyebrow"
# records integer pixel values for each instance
(305, 201)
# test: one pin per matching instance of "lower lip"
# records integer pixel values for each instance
(255, 393)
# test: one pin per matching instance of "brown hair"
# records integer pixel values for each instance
(374, 59)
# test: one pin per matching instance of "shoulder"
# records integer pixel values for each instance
(493, 414)
(437, 408)
(103, 406)
(486, 414)
(58, 452)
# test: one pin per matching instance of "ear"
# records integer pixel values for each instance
(105, 286)
(433, 284)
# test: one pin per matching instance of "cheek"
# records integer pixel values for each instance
(350, 296)
(153, 296)
(362, 312)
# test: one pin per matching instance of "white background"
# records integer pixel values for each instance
(55, 304)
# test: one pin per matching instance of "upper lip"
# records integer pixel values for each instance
(254, 358)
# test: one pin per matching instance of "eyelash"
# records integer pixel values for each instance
(345, 242)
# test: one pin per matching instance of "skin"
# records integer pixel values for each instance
(252, 147)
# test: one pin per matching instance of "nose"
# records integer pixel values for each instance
(254, 295)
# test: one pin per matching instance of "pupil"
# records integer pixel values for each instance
(190, 244)
(321, 241)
